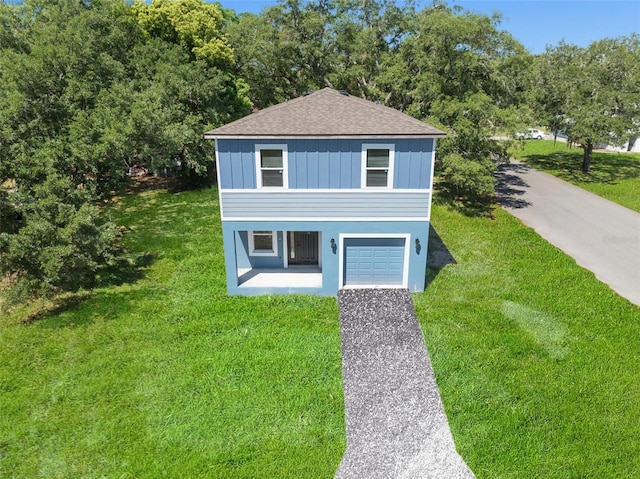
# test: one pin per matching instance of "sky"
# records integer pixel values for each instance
(535, 23)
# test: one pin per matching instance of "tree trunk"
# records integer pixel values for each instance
(586, 157)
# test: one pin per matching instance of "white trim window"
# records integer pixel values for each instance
(272, 166)
(377, 165)
(263, 243)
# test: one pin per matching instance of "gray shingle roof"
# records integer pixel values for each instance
(326, 112)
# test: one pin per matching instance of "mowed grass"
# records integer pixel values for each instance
(536, 360)
(166, 376)
(159, 374)
(615, 176)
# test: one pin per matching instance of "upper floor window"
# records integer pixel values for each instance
(377, 166)
(271, 161)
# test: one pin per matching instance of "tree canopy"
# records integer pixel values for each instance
(88, 91)
(592, 94)
(193, 24)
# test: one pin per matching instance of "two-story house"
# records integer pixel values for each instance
(323, 192)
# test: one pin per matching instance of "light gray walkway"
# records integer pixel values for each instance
(396, 424)
(600, 235)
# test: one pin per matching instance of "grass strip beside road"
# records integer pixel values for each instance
(615, 176)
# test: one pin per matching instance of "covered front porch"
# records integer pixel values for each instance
(271, 261)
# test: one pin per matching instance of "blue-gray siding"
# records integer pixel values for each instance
(243, 204)
(325, 163)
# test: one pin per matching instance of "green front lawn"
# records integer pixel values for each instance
(159, 374)
(166, 376)
(615, 176)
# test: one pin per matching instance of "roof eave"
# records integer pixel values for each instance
(215, 136)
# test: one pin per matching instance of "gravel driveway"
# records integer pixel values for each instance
(396, 423)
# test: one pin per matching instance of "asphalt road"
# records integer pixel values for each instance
(600, 235)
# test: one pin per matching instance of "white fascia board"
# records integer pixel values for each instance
(358, 191)
(328, 219)
(320, 137)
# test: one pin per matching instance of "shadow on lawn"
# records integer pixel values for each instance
(156, 222)
(438, 256)
(605, 167)
(85, 308)
(468, 205)
(56, 306)
(123, 271)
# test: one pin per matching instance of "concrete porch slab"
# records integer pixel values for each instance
(295, 276)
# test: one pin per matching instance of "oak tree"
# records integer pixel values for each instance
(592, 94)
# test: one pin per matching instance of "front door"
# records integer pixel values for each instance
(303, 247)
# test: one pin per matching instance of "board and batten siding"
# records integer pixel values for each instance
(325, 163)
(259, 205)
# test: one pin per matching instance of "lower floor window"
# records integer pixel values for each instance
(263, 243)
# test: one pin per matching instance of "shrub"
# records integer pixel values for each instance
(467, 181)
(60, 245)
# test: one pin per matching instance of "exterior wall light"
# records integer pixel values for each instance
(333, 246)
(418, 246)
